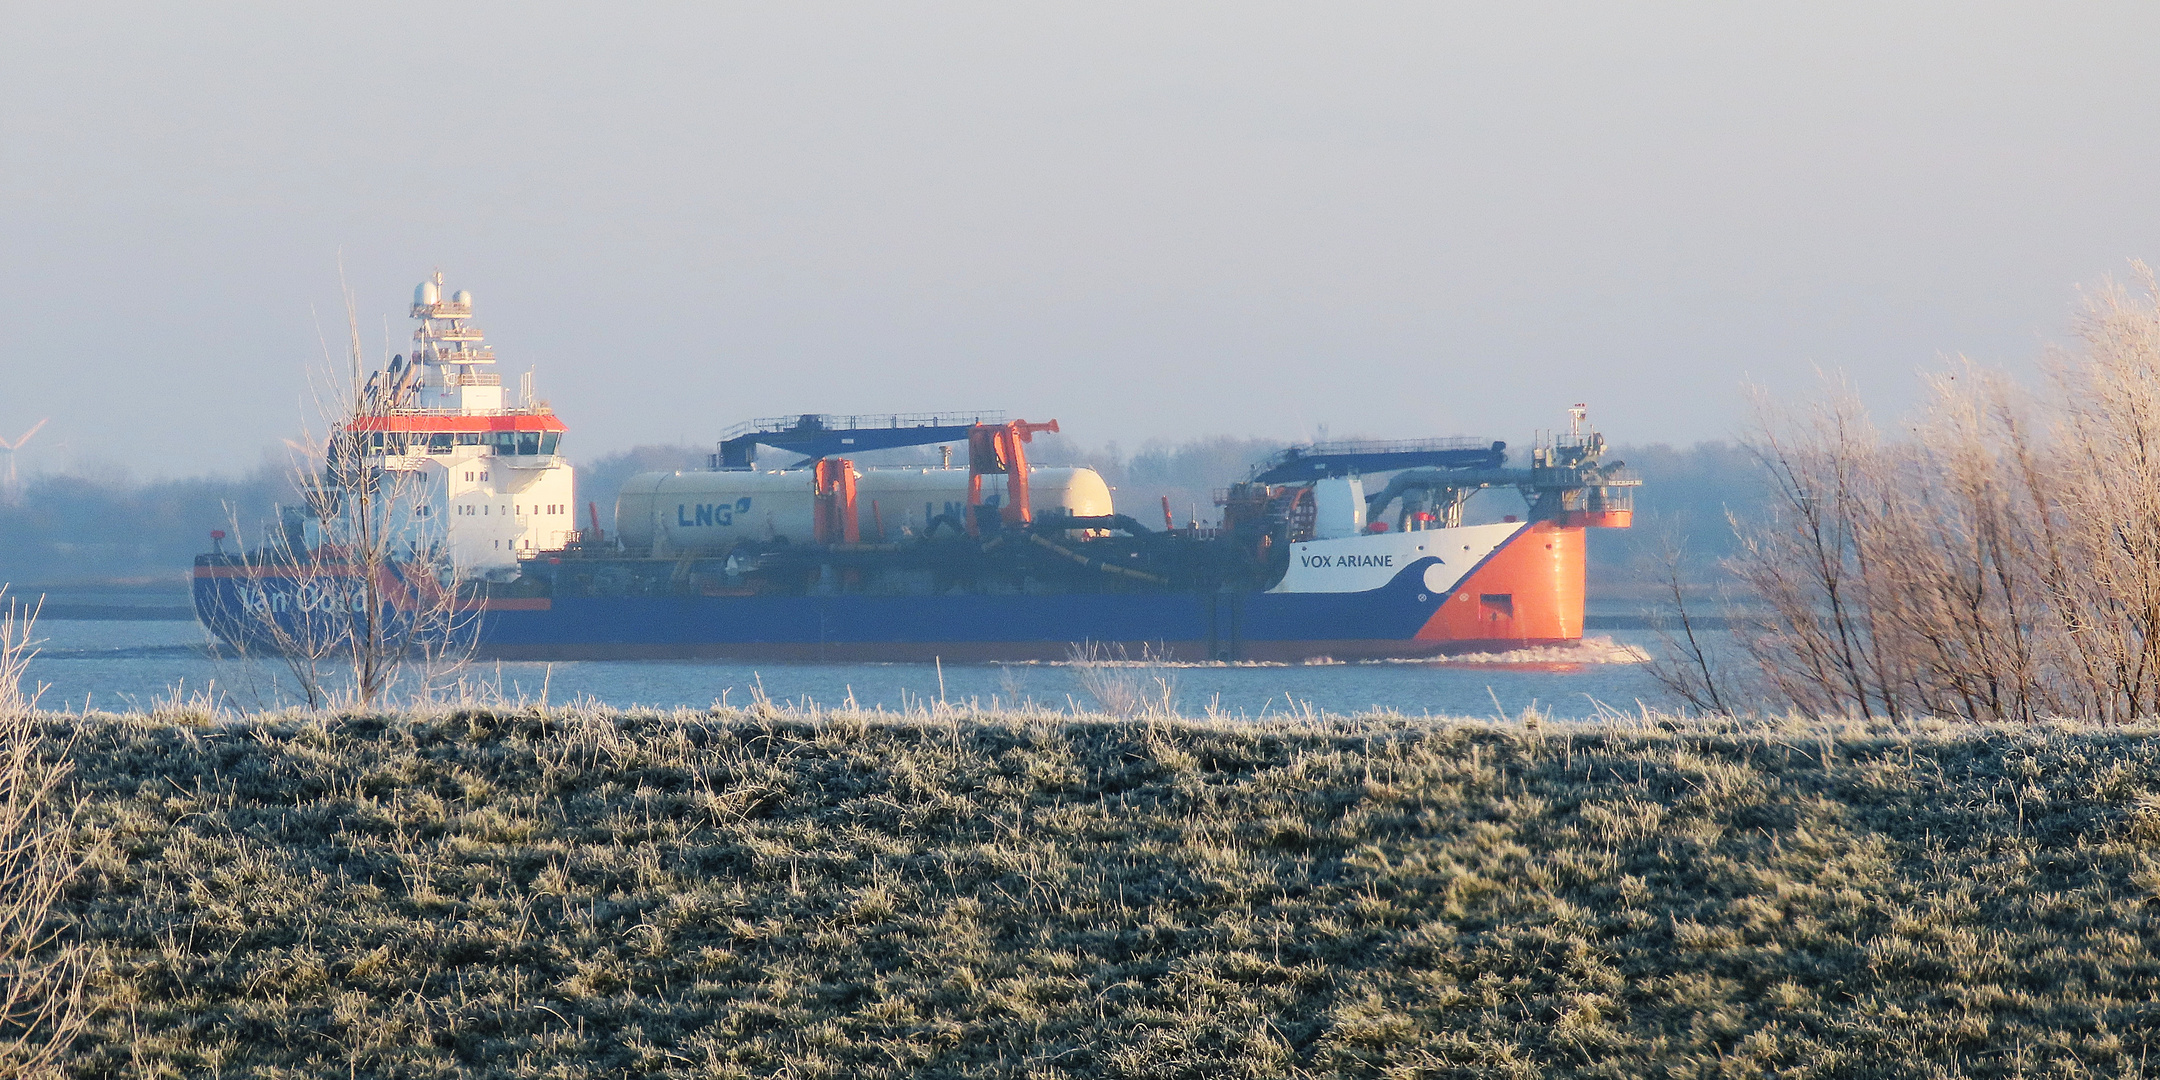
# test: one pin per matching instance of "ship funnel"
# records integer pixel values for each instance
(1338, 507)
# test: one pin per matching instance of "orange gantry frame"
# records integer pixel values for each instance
(995, 449)
(836, 521)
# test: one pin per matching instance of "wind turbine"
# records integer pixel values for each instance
(10, 483)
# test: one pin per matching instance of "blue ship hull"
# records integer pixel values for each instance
(1378, 623)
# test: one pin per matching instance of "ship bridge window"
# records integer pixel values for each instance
(505, 442)
(548, 441)
(440, 442)
(469, 438)
(528, 442)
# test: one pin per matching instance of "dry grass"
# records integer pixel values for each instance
(18, 646)
(766, 894)
(42, 973)
(1121, 687)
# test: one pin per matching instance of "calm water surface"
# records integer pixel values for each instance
(134, 664)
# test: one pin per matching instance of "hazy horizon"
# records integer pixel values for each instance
(1143, 221)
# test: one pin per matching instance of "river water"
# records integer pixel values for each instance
(135, 664)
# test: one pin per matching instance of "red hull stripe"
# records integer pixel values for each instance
(432, 424)
(323, 569)
(510, 603)
(983, 651)
(394, 592)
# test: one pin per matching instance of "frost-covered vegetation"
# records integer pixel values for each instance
(1999, 559)
(577, 892)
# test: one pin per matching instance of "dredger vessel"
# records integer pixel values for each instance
(1342, 550)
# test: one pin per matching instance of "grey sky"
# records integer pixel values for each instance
(1143, 220)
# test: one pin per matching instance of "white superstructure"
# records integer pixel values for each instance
(482, 474)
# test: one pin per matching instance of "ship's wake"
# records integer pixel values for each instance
(1596, 650)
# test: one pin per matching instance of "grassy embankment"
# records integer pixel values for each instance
(711, 895)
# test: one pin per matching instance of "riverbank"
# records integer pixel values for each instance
(757, 892)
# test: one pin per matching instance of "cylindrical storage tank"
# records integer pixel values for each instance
(691, 513)
(908, 498)
(1078, 492)
(1338, 507)
(688, 513)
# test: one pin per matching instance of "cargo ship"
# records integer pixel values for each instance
(1345, 550)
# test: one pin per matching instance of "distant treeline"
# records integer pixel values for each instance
(110, 529)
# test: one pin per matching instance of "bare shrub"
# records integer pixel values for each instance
(355, 591)
(1686, 662)
(2101, 540)
(2001, 561)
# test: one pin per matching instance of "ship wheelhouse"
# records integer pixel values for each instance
(484, 472)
